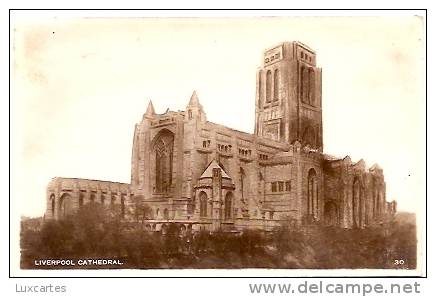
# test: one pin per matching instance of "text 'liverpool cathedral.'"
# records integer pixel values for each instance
(205, 176)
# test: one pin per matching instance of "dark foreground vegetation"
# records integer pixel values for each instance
(95, 234)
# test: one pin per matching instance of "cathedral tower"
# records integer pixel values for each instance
(288, 96)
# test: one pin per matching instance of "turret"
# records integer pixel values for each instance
(194, 110)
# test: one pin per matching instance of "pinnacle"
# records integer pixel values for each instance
(150, 109)
(194, 100)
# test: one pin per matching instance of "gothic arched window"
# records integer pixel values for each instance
(268, 86)
(53, 204)
(203, 204)
(166, 214)
(312, 193)
(276, 85)
(260, 88)
(228, 206)
(311, 85)
(65, 205)
(304, 84)
(357, 204)
(163, 149)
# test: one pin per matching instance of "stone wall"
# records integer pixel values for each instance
(65, 195)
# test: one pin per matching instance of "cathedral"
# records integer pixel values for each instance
(206, 176)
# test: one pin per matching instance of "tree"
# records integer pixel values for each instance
(141, 210)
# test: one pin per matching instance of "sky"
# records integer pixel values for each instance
(79, 85)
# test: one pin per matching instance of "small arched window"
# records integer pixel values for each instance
(166, 214)
(203, 204)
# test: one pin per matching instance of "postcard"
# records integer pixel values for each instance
(291, 145)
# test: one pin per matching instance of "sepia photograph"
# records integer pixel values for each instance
(292, 144)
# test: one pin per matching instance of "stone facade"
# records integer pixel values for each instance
(204, 175)
(64, 195)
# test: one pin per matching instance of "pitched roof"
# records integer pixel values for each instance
(208, 172)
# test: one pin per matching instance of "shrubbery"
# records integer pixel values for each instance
(96, 233)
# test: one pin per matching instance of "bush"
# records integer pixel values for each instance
(95, 233)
